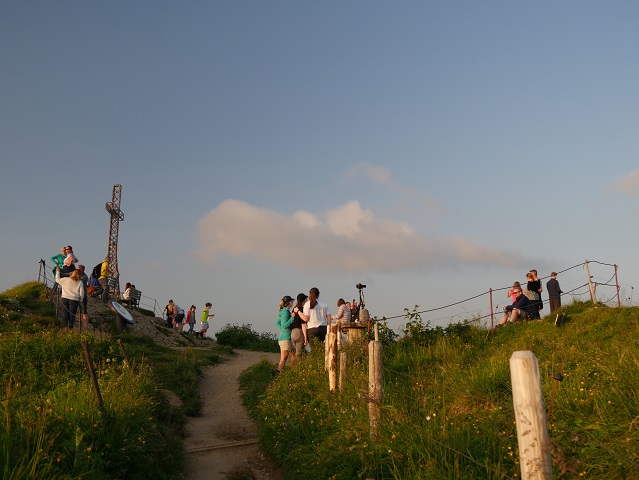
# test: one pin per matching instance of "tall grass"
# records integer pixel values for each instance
(52, 426)
(447, 406)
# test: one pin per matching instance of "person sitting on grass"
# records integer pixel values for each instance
(518, 309)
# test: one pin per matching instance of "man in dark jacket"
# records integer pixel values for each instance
(554, 292)
(520, 307)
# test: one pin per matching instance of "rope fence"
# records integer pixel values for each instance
(527, 408)
(490, 306)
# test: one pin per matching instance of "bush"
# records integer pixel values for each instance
(244, 337)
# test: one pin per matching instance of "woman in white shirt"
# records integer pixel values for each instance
(72, 294)
(315, 314)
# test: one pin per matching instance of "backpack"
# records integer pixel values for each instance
(97, 270)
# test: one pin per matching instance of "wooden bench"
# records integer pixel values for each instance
(134, 299)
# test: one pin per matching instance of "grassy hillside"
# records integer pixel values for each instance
(447, 405)
(52, 425)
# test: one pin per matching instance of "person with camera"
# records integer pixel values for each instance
(316, 314)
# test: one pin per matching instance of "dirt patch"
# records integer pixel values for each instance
(222, 443)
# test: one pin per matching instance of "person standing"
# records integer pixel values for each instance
(298, 327)
(316, 314)
(532, 292)
(540, 305)
(104, 281)
(58, 260)
(68, 265)
(554, 292)
(72, 293)
(85, 283)
(178, 320)
(284, 322)
(190, 318)
(205, 317)
(168, 310)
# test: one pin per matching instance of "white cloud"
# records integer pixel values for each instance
(628, 185)
(380, 176)
(345, 239)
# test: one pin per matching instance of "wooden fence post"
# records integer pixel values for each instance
(375, 385)
(331, 339)
(530, 415)
(342, 370)
(94, 379)
(590, 286)
(126, 357)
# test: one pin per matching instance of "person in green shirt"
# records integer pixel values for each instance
(284, 322)
(204, 318)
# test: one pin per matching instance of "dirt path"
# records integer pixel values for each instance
(222, 443)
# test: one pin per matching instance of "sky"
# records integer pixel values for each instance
(429, 150)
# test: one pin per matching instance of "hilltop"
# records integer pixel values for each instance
(447, 408)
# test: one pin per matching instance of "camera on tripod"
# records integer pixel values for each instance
(359, 286)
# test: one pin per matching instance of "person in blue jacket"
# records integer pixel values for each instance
(284, 322)
(519, 308)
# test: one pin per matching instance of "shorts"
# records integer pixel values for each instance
(205, 326)
(285, 345)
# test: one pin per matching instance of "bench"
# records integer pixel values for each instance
(134, 298)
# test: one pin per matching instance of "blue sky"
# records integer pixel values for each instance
(429, 150)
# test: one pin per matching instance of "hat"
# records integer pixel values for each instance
(301, 297)
(286, 299)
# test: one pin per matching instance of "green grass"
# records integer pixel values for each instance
(447, 405)
(52, 426)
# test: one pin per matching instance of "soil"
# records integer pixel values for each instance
(222, 442)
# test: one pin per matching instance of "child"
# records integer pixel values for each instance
(205, 319)
(190, 318)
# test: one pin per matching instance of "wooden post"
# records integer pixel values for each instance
(375, 386)
(530, 415)
(617, 284)
(342, 370)
(126, 357)
(492, 313)
(592, 289)
(331, 339)
(94, 379)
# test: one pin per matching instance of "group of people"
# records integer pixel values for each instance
(175, 317)
(307, 319)
(73, 283)
(76, 286)
(529, 302)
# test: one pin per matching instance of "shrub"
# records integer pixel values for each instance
(244, 337)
